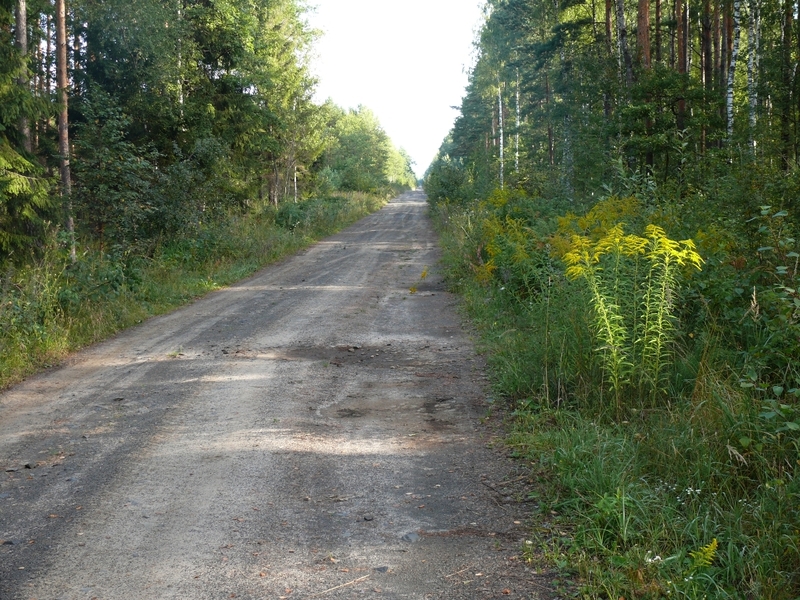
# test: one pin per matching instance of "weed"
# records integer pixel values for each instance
(695, 497)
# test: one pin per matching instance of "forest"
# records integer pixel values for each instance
(153, 150)
(618, 201)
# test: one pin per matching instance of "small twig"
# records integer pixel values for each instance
(468, 567)
(516, 480)
(360, 579)
(490, 486)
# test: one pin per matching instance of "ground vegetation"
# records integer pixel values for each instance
(145, 139)
(618, 201)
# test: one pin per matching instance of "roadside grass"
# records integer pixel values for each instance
(49, 308)
(693, 496)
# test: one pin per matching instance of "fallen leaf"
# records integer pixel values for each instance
(506, 592)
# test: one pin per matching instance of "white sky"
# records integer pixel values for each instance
(405, 60)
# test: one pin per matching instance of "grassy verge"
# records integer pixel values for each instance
(49, 308)
(692, 495)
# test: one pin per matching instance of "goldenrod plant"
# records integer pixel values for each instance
(633, 281)
(706, 442)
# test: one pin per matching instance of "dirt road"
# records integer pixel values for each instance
(311, 432)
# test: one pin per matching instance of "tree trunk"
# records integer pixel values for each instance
(723, 47)
(786, 93)
(658, 31)
(63, 122)
(715, 39)
(732, 67)
(706, 49)
(76, 54)
(551, 150)
(753, 59)
(622, 39)
(502, 141)
(643, 34)
(680, 42)
(21, 40)
(609, 34)
(48, 59)
(516, 134)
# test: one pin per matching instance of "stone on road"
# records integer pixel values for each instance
(313, 431)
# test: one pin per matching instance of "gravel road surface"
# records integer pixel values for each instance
(311, 432)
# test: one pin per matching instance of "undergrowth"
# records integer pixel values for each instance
(50, 307)
(667, 468)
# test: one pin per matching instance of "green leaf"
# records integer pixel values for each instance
(745, 441)
(780, 213)
(777, 390)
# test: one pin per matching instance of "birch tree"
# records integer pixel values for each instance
(21, 26)
(732, 68)
(622, 40)
(63, 123)
(753, 59)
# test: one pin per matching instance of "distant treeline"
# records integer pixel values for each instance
(131, 122)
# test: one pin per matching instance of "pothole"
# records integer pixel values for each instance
(350, 413)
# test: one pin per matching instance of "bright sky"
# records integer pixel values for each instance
(406, 60)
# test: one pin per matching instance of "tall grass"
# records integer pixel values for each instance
(49, 307)
(696, 497)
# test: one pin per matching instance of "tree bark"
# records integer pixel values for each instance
(48, 59)
(516, 134)
(76, 54)
(502, 141)
(716, 40)
(753, 59)
(551, 150)
(658, 31)
(21, 41)
(786, 92)
(680, 42)
(63, 122)
(643, 34)
(732, 67)
(705, 47)
(622, 40)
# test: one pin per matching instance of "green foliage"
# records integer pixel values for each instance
(640, 501)
(634, 285)
(114, 194)
(689, 489)
(361, 158)
(51, 306)
(25, 201)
